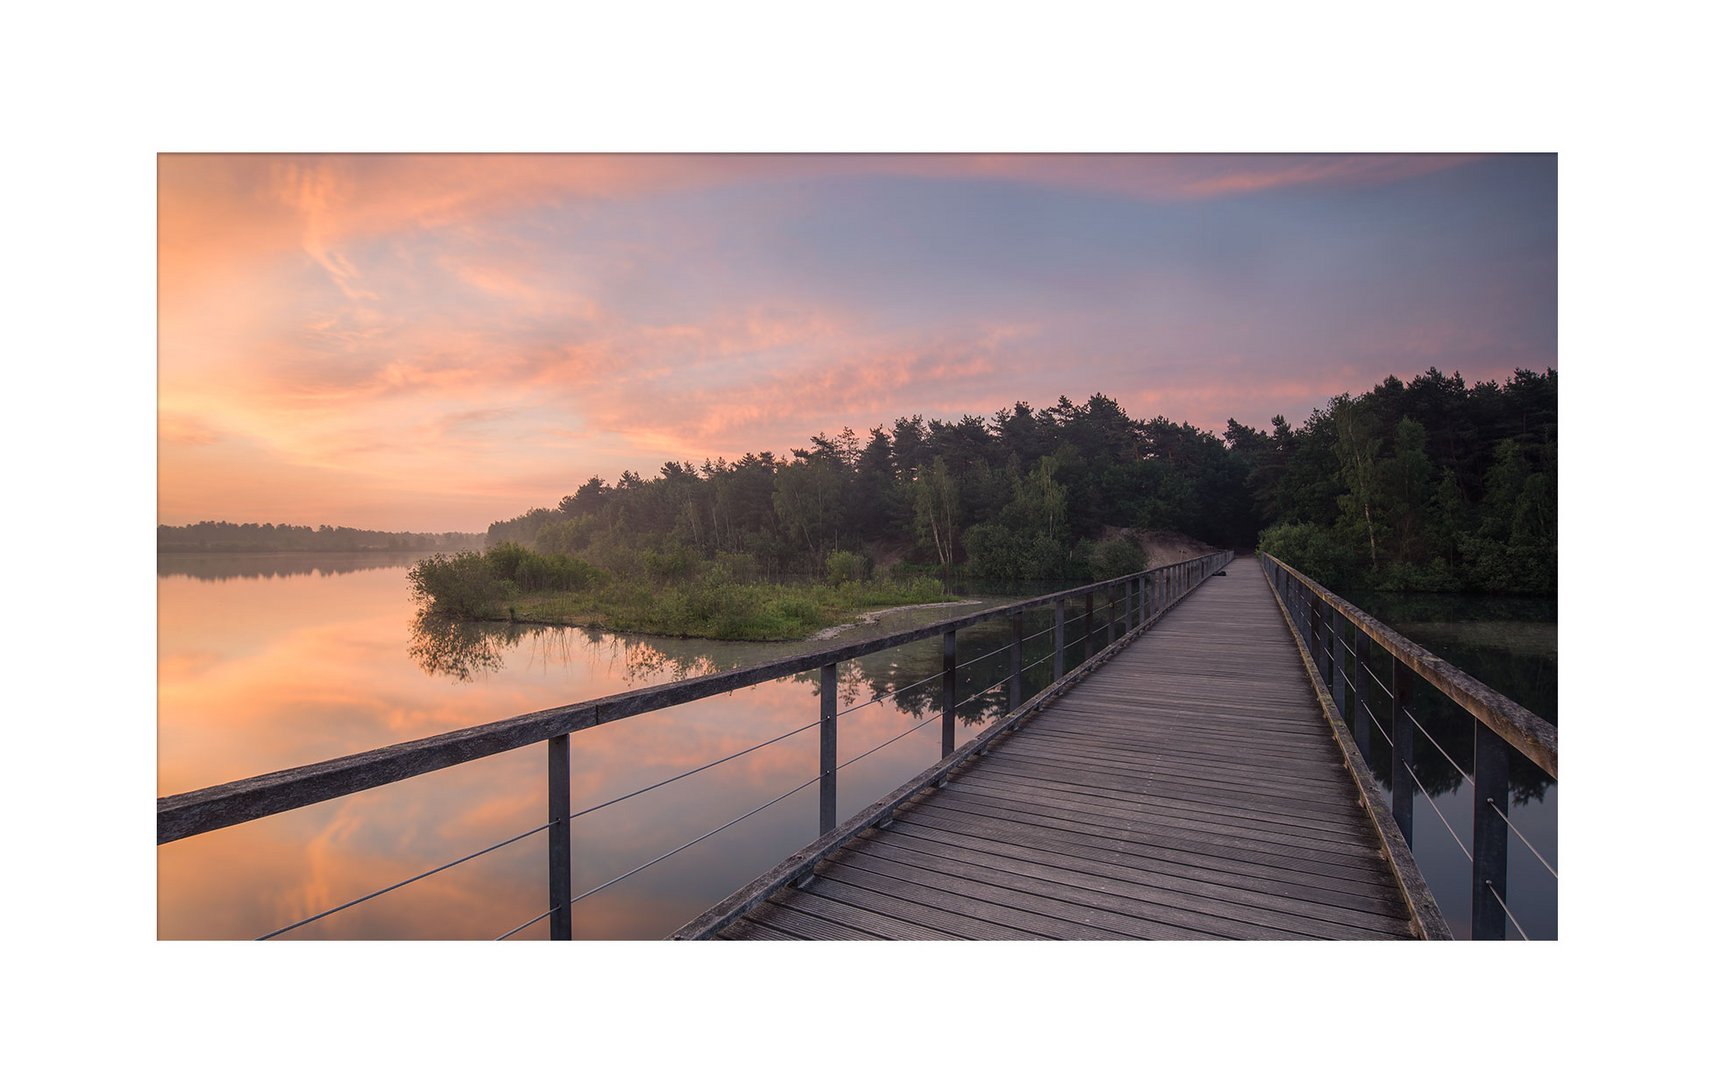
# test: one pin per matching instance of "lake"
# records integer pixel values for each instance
(271, 661)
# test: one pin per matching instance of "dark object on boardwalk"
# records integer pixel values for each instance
(1221, 573)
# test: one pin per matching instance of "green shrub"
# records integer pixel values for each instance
(843, 566)
(1312, 550)
(1117, 558)
(461, 585)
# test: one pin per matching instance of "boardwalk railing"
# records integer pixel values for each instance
(1104, 612)
(1345, 644)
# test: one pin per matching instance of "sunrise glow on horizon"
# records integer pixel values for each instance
(436, 342)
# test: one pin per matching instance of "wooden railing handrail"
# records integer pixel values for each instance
(1534, 738)
(217, 807)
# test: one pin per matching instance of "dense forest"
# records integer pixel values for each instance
(213, 536)
(1428, 485)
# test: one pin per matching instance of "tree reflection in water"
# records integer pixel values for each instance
(461, 649)
(455, 648)
(905, 677)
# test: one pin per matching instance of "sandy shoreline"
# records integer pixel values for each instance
(869, 618)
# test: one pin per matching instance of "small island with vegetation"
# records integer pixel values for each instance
(1429, 486)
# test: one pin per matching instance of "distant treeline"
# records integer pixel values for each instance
(1430, 485)
(228, 537)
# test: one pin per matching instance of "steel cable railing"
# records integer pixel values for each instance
(1131, 600)
(1506, 909)
(1467, 854)
(692, 772)
(1532, 850)
(885, 694)
(998, 684)
(537, 918)
(407, 881)
(1320, 621)
(1462, 773)
(684, 847)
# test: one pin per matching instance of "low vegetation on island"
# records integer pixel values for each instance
(1430, 485)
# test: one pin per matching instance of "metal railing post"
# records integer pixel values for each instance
(829, 748)
(1090, 613)
(949, 687)
(1016, 658)
(1313, 641)
(557, 798)
(1060, 640)
(1362, 717)
(1491, 789)
(1402, 749)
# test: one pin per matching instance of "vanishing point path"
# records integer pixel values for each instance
(1188, 788)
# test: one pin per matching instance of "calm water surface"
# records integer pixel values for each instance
(268, 662)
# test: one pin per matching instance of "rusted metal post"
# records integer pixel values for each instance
(1491, 789)
(949, 687)
(829, 748)
(557, 799)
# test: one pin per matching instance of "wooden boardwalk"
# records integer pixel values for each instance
(1189, 788)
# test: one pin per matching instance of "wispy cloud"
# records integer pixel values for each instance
(439, 341)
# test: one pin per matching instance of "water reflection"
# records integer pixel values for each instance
(460, 650)
(261, 671)
(223, 567)
(906, 676)
(1510, 643)
(455, 648)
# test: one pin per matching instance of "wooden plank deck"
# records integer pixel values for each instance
(1188, 789)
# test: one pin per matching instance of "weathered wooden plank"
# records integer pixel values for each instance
(858, 917)
(1194, 789)
(1131, 853)
(1189, 789)
(1033, 788)
(1383, 910)
(1164, 841)
(1237, 776)
(811, 927)
(750, 930)
(1184, 832)
(943, 922)
(984, 908)
(1232, 910)
(964, 889)
(1115, 897)
(1130, 806)
(1157, 809)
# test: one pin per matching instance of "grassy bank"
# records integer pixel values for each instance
(511, 582)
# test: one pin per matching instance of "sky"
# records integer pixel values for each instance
(437, 342)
